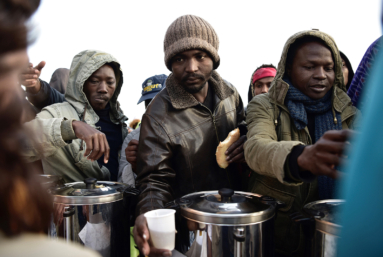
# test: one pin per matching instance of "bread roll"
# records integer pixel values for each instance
(223, 146)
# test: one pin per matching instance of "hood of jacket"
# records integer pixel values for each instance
(59, 79)
(279, 87)
(83, 66)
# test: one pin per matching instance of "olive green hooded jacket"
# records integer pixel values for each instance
(271, 137)
(55, 142)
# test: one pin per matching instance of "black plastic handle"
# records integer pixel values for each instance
(226, 194)
(90, 183)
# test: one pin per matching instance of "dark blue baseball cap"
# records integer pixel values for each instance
(152, 86)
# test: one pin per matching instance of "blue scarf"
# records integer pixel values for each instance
(299, 105)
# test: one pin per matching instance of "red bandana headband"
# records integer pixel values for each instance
(263, 73)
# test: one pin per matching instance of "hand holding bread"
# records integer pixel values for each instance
(223, 146)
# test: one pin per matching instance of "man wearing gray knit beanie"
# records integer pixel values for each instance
(183, 126)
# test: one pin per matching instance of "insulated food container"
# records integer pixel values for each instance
(230, 223)
(94, 213)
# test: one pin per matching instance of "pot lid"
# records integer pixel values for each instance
(226, 207)
(50, 181)
(90, 191)
(326, 213)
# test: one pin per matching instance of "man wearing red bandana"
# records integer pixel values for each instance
(261, 80)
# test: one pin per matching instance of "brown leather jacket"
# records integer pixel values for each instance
(178, 141)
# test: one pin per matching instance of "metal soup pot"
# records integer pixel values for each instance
(230, 223)
(326, 230)
(95, 214)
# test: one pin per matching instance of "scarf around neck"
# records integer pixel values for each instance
(299, 105)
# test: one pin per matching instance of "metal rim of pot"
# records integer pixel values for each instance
(324, 226)
(82, 197)
(222, 219)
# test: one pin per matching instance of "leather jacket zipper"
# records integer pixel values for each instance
(212, 116)
(216, 133)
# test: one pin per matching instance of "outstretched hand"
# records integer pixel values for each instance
(96, 142)
(322, 157)
(235, 152)
(30, 77)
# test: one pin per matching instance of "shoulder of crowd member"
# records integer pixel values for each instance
(238, 99)
(159, 106)
(54, 111)
(260, 104)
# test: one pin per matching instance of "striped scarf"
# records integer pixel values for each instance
(299, 105)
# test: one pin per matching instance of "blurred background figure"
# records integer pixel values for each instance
(261, 79)
(357, 86)
(26, 206)
(60, 79)
(348, 72)
(127, 168)
(135, 123)
(361, 218)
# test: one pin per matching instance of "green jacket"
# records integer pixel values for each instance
(55, 142)
(271, 137)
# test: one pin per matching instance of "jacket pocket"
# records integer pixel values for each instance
(287, 233)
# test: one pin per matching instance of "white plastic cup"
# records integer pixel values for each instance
(162, 229)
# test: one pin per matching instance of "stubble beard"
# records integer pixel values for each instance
(197, 88)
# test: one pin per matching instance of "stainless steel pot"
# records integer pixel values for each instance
(323, 216)
(95, 214)
(235, 223)
(320, 227)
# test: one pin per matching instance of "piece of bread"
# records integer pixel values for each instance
(223, 146)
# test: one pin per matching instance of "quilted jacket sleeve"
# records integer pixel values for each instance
(154, 170)
(263, 152)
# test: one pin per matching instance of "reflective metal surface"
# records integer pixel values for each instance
(103, 228)
(326, 234)
(50, 181)
(325, 212)
(94, 214)
(223, 241)
(324, 245)
(79, 193)
(241, 208)
(238, 224)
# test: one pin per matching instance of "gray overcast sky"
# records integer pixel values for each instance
(251, 33)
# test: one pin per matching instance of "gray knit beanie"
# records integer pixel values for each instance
(190, 32)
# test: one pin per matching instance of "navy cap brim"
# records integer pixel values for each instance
(147, 96)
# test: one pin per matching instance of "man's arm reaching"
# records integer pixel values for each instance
(39, 93)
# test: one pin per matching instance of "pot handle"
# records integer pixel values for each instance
(68, 223)
(270, 200)
(239, 241)
(308, 223)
